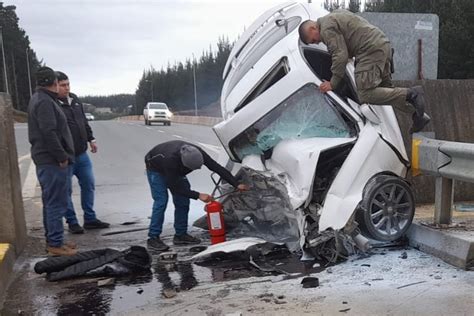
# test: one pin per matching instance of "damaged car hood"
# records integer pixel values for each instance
(294, 162)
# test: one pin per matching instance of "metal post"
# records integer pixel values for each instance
(195, 93)
(4, 63)
(29, 73)
(443, 200)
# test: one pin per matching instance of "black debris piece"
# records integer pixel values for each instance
(95, 263)
(404, 255)
(140, 291)
(344, 310)
(310, 282)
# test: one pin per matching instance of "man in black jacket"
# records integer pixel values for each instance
(52, 150)
(167, 165)
(82, 169)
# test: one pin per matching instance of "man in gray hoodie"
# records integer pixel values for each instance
(52, 151)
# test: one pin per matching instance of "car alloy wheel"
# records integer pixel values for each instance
(387, 208)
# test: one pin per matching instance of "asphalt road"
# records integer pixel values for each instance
(122, 191)
(397, 281)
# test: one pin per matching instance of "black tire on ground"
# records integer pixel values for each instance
(387, 208)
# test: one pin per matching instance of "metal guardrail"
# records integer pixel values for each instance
(447, 161)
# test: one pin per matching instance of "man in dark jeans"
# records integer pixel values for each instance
(52, 151)
(167, 165)
(82, 169)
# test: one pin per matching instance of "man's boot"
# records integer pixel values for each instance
(61, 251)
(415, 96)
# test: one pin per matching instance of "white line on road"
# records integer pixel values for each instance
(160, 131)
(29, 187)
(177, 136)
(149, 127)
(20, 160)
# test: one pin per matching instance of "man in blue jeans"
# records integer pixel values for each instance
(82, 169)
(52, 151)
(167, 165)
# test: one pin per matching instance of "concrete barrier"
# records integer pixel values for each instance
(183, 119)
(12, 214)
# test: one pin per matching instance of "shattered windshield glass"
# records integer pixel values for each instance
(305, 114)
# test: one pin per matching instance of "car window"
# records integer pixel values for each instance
(305, 114)
(158, 107)
(267, 41)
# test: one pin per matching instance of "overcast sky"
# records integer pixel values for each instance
(104, 45)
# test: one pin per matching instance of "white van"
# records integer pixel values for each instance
(157, 112)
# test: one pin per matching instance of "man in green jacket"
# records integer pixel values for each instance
(347, 35)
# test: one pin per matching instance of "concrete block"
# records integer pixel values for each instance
(7, 260)
(453, 247)
(12, 223)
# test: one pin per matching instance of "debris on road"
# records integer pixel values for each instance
(130, 223)
(197, 249)
(106, 282)
(95, 263)
(169, 256)
(125, 231)
(310, 282)
(344, 310)
(404, 255)
(410, 284)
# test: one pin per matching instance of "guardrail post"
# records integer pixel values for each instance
(443, 200)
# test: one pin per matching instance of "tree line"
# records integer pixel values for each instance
(174, 84)
(17, 55)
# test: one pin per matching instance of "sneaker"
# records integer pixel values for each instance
(97, 224)
(61, 251)
(157, 244)
(186, 239)
(76, 229)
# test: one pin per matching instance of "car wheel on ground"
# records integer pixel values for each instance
(387, 208)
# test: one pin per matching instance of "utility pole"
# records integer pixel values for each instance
(151, 87)
(29, 73)
(4, 63)
(195, 92)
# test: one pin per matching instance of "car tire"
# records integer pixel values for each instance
(387, 208)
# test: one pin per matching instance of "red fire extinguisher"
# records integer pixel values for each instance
(215, 222)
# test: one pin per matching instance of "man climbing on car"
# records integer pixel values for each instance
(347, 35)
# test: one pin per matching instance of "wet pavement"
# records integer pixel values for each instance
(31, 294)
(393, 281)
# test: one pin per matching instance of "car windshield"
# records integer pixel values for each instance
(158, 106)
(305, 114)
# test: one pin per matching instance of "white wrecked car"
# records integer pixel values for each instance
(319, 164)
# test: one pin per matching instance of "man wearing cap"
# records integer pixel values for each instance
(167, 165)
(52, 151)
(348, 35)
(82, 169)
